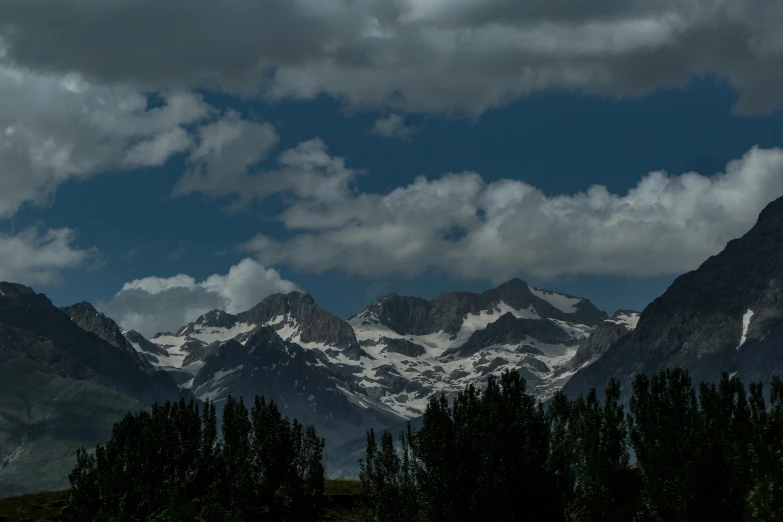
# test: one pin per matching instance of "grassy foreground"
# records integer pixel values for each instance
(45, 506)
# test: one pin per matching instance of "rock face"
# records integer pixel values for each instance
(604, 335)
(294, 316)
(726, 316)
(312, 323)
(91, 320)
(447, 312)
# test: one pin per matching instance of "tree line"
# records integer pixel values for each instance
(168, 465)
(678, 454)
(675, 456)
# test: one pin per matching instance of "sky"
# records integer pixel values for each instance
(163, 158)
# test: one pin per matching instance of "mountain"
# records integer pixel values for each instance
(446, 313)
(604, 335)
(379, 367)
(33, 328)
(44, 419)
(286, 348)
(725, 316)
(91, 320)
(417, 347)
(300, 379)
(62, 387)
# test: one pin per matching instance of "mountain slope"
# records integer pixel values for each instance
(301, 380)
(62, 387)
(725, 316)
(44, 419)
(31, 327)
(91, 320)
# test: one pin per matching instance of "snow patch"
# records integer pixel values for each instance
(629, 320)
(211, 334)
(745, 325)
(562, 302)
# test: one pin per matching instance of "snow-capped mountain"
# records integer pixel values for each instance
(286, 348)
(419, 347)
(382, 364)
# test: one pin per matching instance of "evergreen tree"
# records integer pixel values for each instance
(666, 435)
(562, 416)
(235, 479)
(619, 491)
(434, 466)
(765, 501)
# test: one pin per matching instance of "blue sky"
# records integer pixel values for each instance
(145, 223)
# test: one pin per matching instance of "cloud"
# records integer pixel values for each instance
(411, 55)
(461, 225)
(38, 256)
(222, 166)
(226, 150)
(392, 126)
(156, 304)
(54, 128)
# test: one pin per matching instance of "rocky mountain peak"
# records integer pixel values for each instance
(14, 289)
(213, 318)
(408, 315)
(91, 320)
(299, 311)
(32, 327)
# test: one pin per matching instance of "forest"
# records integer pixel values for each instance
(675, 453)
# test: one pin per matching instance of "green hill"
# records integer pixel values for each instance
(44, 419)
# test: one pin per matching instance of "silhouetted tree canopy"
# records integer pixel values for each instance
(167, 464)
(715, 454)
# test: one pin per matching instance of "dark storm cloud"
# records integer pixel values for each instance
(412, 55)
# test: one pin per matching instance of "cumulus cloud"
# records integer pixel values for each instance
(459, 224)
(59, 127)
(413, 55)
(156, 304)
(38, 256)
(392, 126)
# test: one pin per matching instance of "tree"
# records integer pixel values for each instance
(765, 501)
(168, 465)
(562, 417)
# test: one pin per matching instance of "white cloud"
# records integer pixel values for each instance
(461, 225)
(156, 304)
(38, 257)
(392, 126)
(412, 55)
(59, 127)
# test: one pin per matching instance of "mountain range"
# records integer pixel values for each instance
(69, 373)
